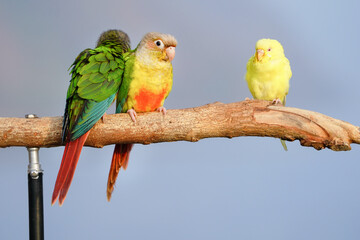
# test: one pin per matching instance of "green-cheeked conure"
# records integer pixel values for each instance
(147, 81)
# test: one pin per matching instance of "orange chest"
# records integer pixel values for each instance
(147, 101)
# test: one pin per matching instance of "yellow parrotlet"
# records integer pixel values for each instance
(268, 73)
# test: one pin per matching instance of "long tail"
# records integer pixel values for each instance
(282, 141)
(120, 159)
(283, 144)
(67, 168)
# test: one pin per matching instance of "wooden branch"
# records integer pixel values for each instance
(247, 118)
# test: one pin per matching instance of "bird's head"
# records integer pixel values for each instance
(114, 36)
(158, 45)
(267, 49)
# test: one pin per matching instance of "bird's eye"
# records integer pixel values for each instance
(159, 43)
(269, 49)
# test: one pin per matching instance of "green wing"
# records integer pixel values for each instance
(96, 75)
(129, 58)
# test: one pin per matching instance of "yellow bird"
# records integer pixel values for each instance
(268, 73)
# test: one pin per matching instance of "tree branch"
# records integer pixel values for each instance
(247, 118)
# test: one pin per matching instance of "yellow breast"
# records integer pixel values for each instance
(150, 85)
(269, 80)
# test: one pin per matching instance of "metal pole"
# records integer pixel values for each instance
(35, 188)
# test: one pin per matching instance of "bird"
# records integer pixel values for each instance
(147, 81)
(268, 73)
(96, 76)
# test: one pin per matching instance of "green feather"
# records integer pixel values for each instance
(92, 67)
(109, 56)
(96, 76)
(117, 73)
(100, 57)
(113, 65)
(127, 78)
(105, 67)
(84, 81)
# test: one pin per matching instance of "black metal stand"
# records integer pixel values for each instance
(36, 214)
(35, 187)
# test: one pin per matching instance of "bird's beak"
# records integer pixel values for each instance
(170, 53)
(259, 54)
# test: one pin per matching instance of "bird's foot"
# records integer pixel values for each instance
(132, 114)
(161, 109)
(103, 118)
(277, 101)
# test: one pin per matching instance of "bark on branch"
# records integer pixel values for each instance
(247, 118)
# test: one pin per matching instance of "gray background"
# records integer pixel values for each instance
(241, 188)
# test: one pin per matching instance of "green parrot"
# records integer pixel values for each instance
(96, 76)
(147, 81)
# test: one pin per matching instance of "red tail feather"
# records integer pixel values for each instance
(120, 159)
(67, 168)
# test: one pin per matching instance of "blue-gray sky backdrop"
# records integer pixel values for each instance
(240, 188)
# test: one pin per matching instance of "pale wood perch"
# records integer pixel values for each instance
(247, 118)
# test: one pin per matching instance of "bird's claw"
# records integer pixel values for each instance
(277, 101)
(161, 109)
(132, 114)
(103, 118)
